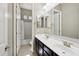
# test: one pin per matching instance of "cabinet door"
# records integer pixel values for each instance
(36, 45)
(41, 44)
(40, 51)
(49, 52)
(45, 53)
(43, 50)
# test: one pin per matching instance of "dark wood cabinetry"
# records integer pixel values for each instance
(43, 50)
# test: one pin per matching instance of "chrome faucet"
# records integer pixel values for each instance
(47, 36)
(67, 44)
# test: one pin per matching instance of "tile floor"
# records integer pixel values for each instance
(25, 50)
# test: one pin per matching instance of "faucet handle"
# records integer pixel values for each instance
(67, 44)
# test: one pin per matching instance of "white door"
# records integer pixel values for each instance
(3, 30)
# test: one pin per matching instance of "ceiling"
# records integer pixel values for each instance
(29, 5)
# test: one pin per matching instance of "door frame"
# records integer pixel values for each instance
(9, 19)
(18, 17)
(12, 28)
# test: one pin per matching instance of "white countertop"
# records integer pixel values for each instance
(55, 43)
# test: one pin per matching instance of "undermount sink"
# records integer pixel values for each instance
(46, 35)
(67, 50)
(67, 44)
(63, 50)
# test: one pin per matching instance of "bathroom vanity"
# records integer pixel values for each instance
(60, 31)
(52, 45)
(43, 50)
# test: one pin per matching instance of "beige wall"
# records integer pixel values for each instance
(70, 18)
(78, 20)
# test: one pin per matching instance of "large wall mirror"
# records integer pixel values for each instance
(65, 21)
(40, 22)
(44, 20)
(62, 20)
